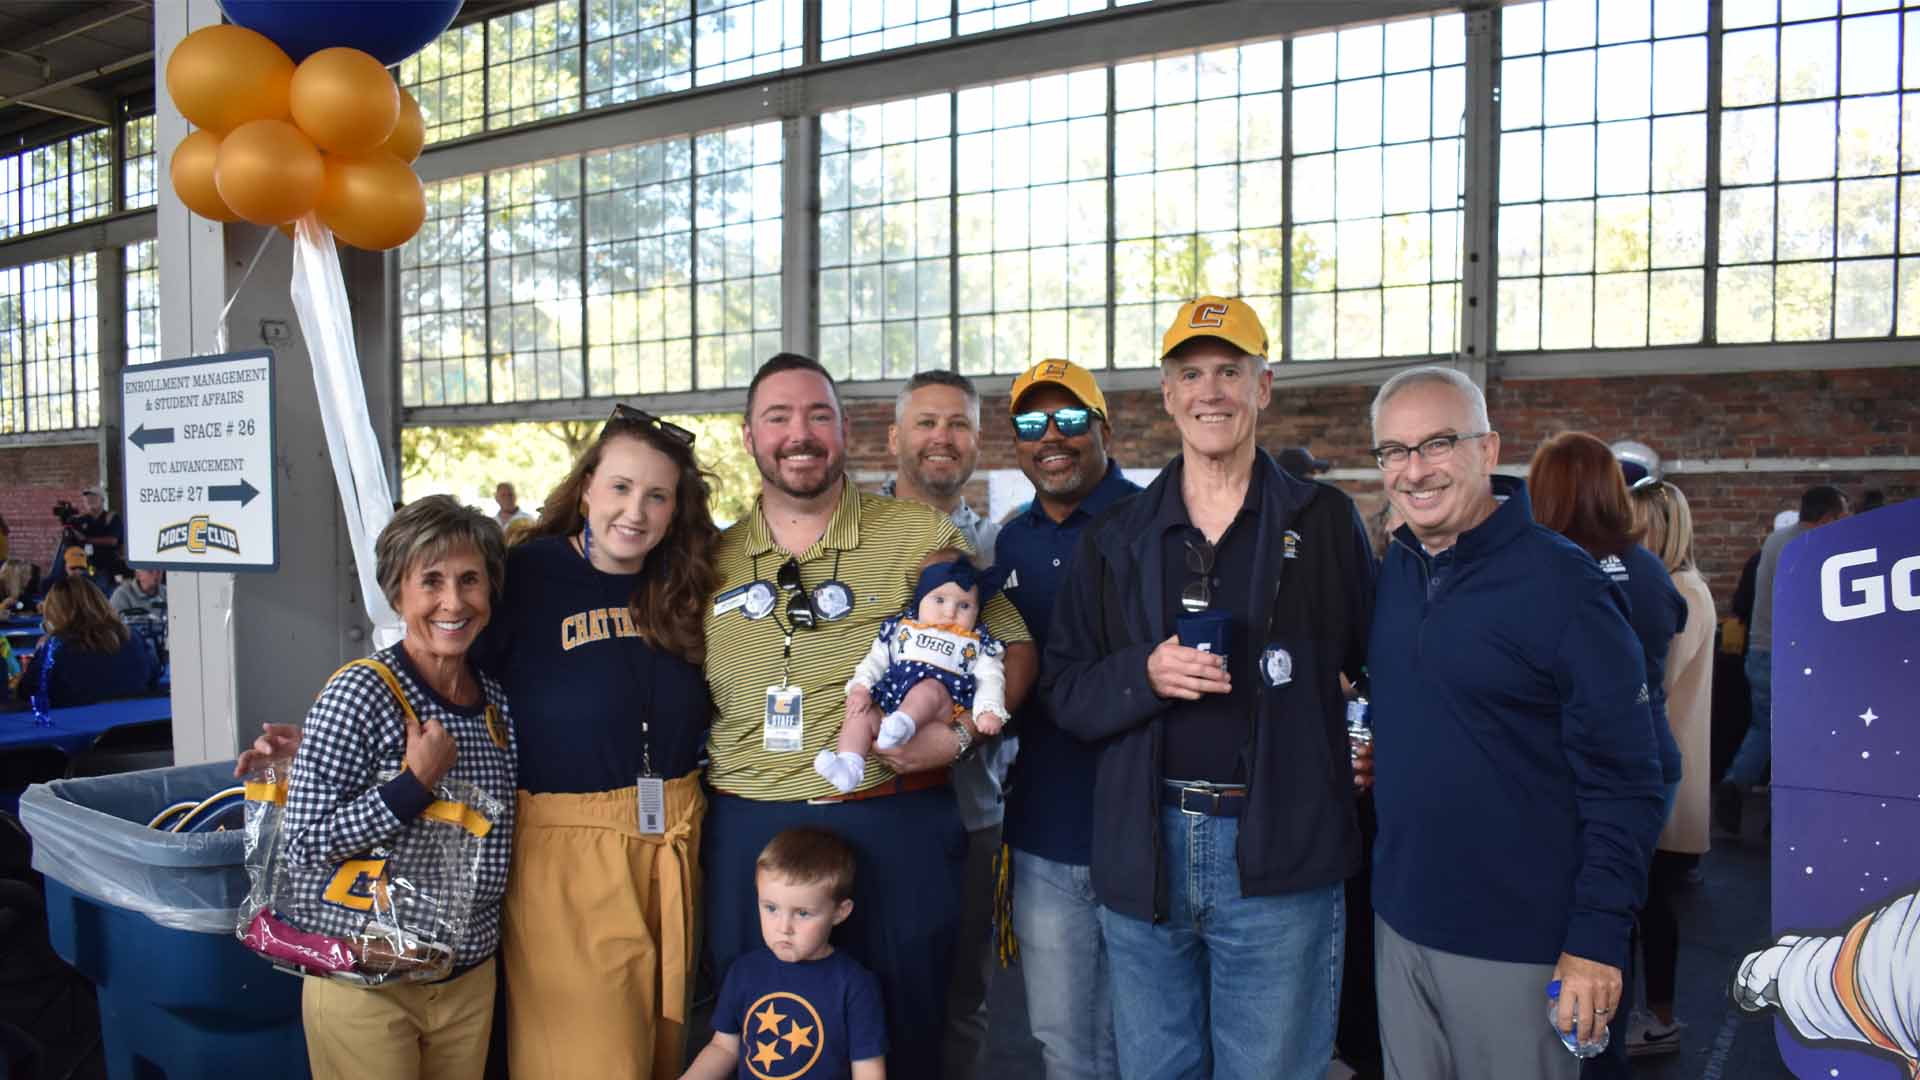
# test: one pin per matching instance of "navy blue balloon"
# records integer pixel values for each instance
(390, 30)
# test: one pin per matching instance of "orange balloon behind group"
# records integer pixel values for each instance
(373, 202)
(344, 100)
(223, 76)
(192, 172)
(268, 172)
(409, 132)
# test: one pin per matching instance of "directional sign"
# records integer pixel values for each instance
(199, 463)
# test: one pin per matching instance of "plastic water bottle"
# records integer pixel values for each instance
(1571, 1039)
(1359, 727)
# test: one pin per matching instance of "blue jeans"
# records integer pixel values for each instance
(1229, 986)
(1750, 762)
(1063, 961)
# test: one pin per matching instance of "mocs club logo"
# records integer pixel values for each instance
(781, 1038)
(198, 534)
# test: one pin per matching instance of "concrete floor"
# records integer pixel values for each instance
(1721, 920)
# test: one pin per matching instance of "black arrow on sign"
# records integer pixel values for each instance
(241, 493)
(144, 437)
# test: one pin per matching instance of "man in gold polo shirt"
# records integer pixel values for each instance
(806, 580)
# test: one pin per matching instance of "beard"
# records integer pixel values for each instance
(940, 487)
(769, 465)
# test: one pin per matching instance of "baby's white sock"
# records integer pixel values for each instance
(895, 730)
(843, 769)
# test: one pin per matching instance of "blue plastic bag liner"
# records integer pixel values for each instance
(91, 835)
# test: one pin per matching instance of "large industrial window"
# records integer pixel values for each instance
(1198, 195)
(49, 360)
(1377, 129)
(57, 184)
(560, 57)
(1603, 174)
(137, 158)
(1817, 146)
(852, 27)
(640, 269)
(142, 266)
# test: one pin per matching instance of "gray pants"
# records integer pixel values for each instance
(1444, 1016)
(974, 959)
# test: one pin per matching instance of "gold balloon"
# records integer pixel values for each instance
(268, 172)
(409, 132)
(373, 202)
(192, 172)
(344, 100)
(223, 76)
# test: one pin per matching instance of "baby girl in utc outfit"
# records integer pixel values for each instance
(923, 669)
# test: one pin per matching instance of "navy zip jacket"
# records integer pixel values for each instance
(1656, 611)
(1516, 773)
(1312, 593)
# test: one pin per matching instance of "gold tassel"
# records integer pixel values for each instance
(1009, 945)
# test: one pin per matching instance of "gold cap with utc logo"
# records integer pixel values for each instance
(1070, 376)
(1232, 321)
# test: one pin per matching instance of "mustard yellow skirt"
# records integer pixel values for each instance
(598, 942)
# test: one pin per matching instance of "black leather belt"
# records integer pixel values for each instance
(1205, 801)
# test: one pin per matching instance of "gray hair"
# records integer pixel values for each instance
(425, 530)
(938, 378)
(1430, 375)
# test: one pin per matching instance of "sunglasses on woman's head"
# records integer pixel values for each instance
(627, 414)
(1071, 420)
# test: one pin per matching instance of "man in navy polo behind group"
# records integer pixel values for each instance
(1223, 786)
(1061, 434)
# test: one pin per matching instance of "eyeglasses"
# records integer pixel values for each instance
(627, 414)
(1198, 595)
(1432, 451)
(800, 612)
(1071, 421)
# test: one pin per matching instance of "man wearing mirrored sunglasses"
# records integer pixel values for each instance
(1061, 435)
(1199, 641)
(806, 580)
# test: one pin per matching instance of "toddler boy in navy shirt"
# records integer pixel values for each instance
(798, 1007)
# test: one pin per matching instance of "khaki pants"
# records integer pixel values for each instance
(400, 1030)
(599, 935)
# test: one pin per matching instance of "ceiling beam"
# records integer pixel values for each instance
(73, 26)
(64, 96)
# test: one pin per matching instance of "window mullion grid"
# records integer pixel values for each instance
(1286, 199)
(1833, 212)
(954, 340)
(486, 263)
(1112, 228)
(1773, 238)
(1710, 258)
(586, 343)
(1899, 163)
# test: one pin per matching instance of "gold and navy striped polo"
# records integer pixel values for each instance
(872, 545)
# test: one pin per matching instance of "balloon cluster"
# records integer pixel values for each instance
(274, 141)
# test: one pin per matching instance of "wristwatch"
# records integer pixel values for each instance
(964, 735)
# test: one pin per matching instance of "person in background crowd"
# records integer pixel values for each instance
(509, 506)
(5, 539)
(935, 441)
(19, 587)
(86, 654)
(100, 533)
(1061, 434)
(1871, 499)
(1820, 505)
(1223, 787)
(806, 579)
(1299, 463)
(1579, 490)
(1663, 510)
(1515, 767)
(145, 593)
(440, 566)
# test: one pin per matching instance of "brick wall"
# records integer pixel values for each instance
(32, 479)
(1823, 414)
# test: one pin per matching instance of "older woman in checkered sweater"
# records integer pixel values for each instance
(366, 771)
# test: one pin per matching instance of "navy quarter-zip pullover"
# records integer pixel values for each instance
(1517, 774)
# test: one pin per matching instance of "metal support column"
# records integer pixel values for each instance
(1479, 310)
